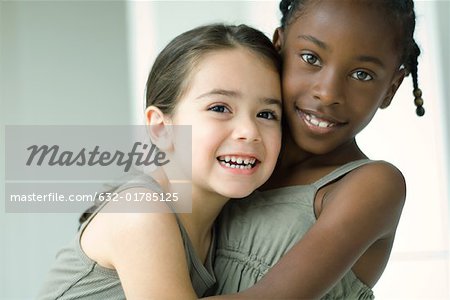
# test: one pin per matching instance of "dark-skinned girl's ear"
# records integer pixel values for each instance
(395, 84)
(277, 38)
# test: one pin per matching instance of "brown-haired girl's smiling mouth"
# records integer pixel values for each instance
(238, 161)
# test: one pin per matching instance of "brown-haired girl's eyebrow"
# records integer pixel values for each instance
(220, 92)
(271, 101)
(235, 94)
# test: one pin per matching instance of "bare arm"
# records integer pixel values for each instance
(364, 207)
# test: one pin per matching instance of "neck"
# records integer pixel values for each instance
(292, 155)
(197, 209)
(297, 166)
(206, 207)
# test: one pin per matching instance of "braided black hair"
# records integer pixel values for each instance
(402, 13)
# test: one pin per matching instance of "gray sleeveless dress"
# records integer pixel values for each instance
(256, 231)
(75, 276)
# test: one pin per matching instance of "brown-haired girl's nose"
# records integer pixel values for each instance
(246, 129)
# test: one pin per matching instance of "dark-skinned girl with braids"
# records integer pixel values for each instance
(325, 222)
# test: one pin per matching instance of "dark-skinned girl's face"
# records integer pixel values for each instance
(340, 64)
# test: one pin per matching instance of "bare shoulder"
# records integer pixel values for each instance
(378, 176)
(139, 232)
(146, 250)
(109, 230)
(382, 168)
(373, 193)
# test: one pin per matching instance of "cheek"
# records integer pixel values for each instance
(365, 100)
(206, 139)
(294, 91)
(272, 141)
(294, 82)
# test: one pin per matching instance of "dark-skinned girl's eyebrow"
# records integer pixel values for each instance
(314, 40)
(323, 45)
(371, 59)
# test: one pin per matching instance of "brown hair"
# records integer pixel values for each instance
(168, 78)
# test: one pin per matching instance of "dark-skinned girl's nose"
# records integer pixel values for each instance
(328, 88)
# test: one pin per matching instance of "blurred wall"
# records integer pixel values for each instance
(61, 63)
(443, 26)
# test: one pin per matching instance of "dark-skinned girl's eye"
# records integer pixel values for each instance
(310, 59)
(362, 75)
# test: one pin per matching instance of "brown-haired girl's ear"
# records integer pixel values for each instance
(395, 84)
(277, 38)
(159, 128)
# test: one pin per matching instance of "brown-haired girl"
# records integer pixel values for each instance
(224, 82)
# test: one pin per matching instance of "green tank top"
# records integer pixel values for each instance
(256, 231)
(75, 276)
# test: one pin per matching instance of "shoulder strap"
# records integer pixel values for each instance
(341, 171)
(148, 182)
(145, 181)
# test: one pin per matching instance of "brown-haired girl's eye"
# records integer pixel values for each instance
(219, 109)
(310, 59)
(269, 115)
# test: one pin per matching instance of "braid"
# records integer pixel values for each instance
(288, 8)
(411, 51)
(402, 14)
(284, 8)
(412, 64)
(417, 92)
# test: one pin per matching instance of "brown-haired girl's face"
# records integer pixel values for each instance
(233, 104)
(340, 65)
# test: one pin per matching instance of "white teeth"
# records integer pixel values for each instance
(314, 121)
(231, 166)
(235, 162)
